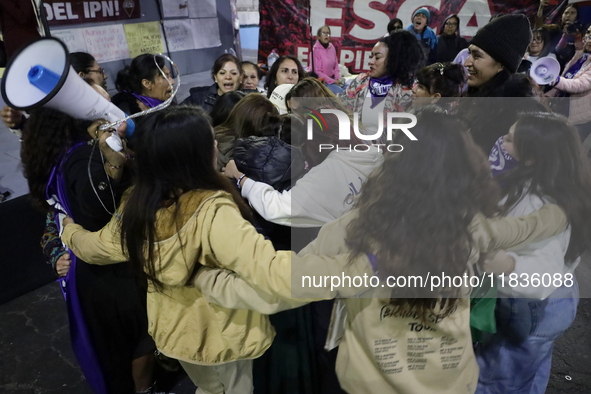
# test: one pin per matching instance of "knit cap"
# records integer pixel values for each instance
(505, 39)
(423, 11)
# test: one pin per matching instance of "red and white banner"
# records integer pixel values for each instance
(356, 25)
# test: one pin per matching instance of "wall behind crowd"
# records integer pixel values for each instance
(107, 31)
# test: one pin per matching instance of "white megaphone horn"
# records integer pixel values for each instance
(40, 74)
(545, 70)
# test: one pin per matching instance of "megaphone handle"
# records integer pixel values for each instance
(114, 142)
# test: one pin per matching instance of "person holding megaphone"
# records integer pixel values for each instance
(575, 82)
(69, 161)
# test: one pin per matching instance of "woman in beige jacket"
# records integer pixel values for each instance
(170, 232)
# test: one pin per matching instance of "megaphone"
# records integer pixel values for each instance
(40, 74)
(545, 70)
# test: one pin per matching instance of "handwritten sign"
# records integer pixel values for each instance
(106, 43)
(73, 38)
(203, 9)
(143, 38)
(206, 33)
(179, 35)
(175, 8)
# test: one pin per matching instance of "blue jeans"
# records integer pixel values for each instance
(333, 87)
(517, 359)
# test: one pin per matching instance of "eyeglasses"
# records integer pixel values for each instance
(100, 71)
(451, 24)
(325, 33)
(537, 39)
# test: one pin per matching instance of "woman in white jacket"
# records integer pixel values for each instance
(328, 190)
(538, 293)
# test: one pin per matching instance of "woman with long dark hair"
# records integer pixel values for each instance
(286, 70)
(552, 167)
(108, 323)
(182, 213)
(141, 85)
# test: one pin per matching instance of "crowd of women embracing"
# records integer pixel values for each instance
(193, 240)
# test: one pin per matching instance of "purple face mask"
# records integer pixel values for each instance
(500, 160)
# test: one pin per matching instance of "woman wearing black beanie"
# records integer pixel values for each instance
(496, 52)
(497, 48)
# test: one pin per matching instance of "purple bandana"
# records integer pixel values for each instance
(148, 101)
(379, 88)
(500, 160)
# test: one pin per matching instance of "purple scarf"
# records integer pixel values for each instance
(575, 68)
(148, 101)
(500, 160)
(379, 88)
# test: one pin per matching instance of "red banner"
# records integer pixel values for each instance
(78, 12)
(356, 25)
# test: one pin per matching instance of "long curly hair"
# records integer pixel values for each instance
(405, 56)
(559, 172)
(47, 136)
(415, 211)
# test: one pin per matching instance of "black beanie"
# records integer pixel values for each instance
(505, 39)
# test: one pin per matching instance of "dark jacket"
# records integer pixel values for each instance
(449, 46)
(491, 110)
(272, 161)
(203, 96)
(225, 149)
(269, 160)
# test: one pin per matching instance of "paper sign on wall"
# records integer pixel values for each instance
(143, 38)
(73, 38)
(179, 35)
(175, 8)
(106, 43)
(203, 9)
(206, 33)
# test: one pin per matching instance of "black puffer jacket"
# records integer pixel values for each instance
(203, 96)
(269, 160)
